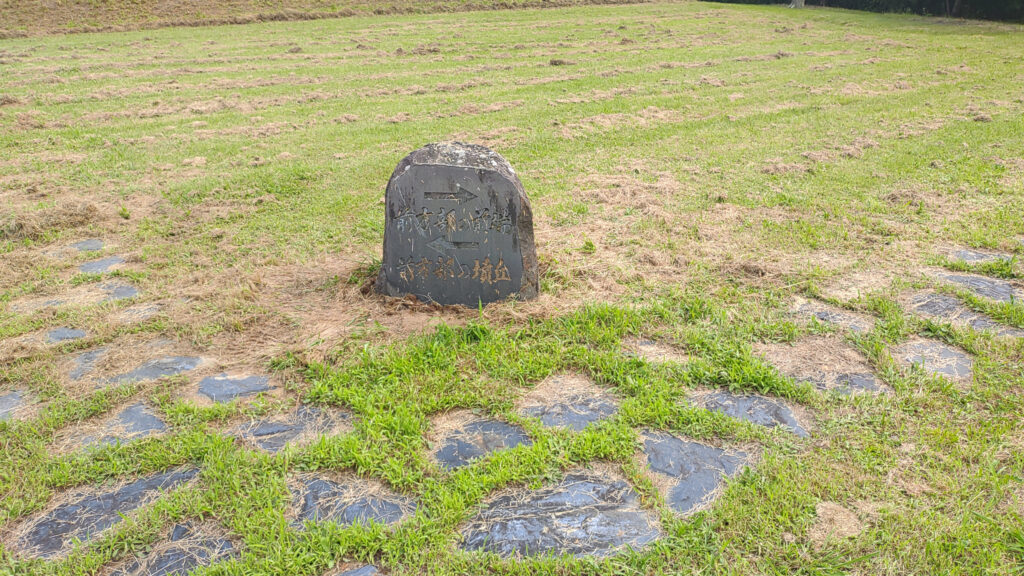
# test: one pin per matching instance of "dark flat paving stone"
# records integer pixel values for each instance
(90, 513)
(134, 422)
(352, 502)
(273, 434)
(693, 472)
(64, 334)
(831, 315)
(90, 245)
(853, 382)
(185, 550)
(935, 358)
(224, 388)
(576, 412)
(83, 364)
(118, 291)
(10, 402)
(586, 514)
(477, 439)
(159, 368)
(759, 410)
(100, 266)
(970, 256)
(361, 571)
(944, 307)
(992, 288)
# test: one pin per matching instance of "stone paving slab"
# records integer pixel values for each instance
(754, 408)
(84, 514)
(12, 403)
(349, 569)
(971, 256)
(587, 513)
(64, 334)
(187, 548)
(462, 437)
(159, 368)
(224, 388)
(653, 351)
(827, 314)
(90, 245)
(946, 308)
(298, 427)
(137, 313)
(689, 474)
(86, 295)
(568, 401)
(347, 500)
(828, 363)
(983, 286)
(935, 358)
(101, 266)
(133, 422)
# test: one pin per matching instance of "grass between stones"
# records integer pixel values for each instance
(693, 168)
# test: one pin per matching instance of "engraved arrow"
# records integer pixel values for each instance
(442, 246)
(461, 194)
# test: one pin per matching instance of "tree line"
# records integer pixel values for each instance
(1008, 10)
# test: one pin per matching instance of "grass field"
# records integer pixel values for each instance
(693, 168)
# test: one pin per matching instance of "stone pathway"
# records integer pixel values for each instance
(463, 437)
(63, 334)
(186, 548)
(830, 364)
(568, 401)
(935, 358)
(983, 286)
(101, 266)
(347, 501)
(827, 314)
(689, 474)
(85, 514)
(946, 308)
(971, 256)
(133, 422)
(158, 368)
(585, 514)
(12, 403)
(296, 428)
(760, 410)
(224, 388)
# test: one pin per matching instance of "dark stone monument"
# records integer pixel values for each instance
(458, 228)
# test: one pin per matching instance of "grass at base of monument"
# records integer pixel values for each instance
(934, 471)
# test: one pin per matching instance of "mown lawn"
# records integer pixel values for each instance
(693, 168)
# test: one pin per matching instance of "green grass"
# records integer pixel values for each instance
(686, 184)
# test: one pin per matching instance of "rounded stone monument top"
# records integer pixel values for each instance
(458, 228)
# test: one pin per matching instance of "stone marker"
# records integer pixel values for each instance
(458, 228)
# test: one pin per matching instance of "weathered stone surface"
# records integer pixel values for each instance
(360, 571)
(458, 228)
(943, 307)
(63, 335)
(998, 290)
(100, 266)
(89, 513)
(978, 257)
(185, 550)
(852, 382)
(831, 315)
(90, 245)
(476, 439)
(586, 514)
(11, 402)
(935, 358)
(118, 291)
(308, 422)
(689, 472)
(136, 313)
(759, 410)
(159, 368)
(353, 501)
(134, 422)
(83, 364)
(568, 401)
(224, 388)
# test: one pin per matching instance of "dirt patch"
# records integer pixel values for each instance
(827, 362)
(34, 225)
(858, 285)
(560, 387)
(653, 351)
(833, 522)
